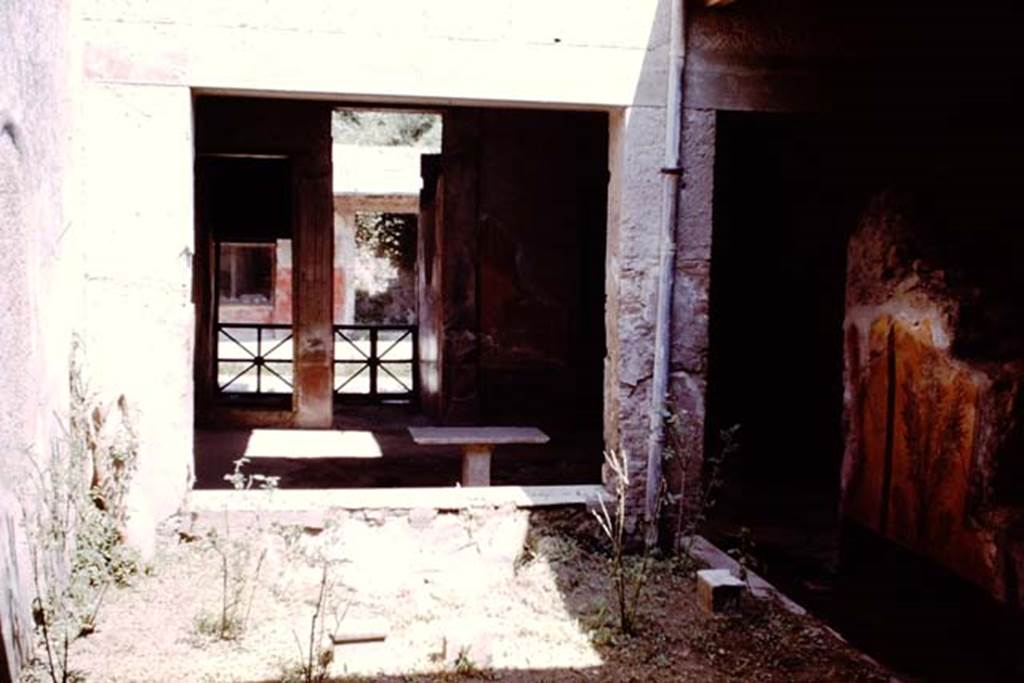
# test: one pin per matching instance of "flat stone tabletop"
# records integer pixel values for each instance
(470, 436)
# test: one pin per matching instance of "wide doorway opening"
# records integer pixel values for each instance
(375, 269)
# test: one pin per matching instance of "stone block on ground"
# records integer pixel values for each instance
(718, 590)
(352, 631)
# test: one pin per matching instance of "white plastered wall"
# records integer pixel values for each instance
(143, 60)
(135, 169)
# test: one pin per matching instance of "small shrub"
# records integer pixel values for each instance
(215, 625)
(601, 626)
(73, 513)
(464, 664)
(744, 553)
(700, 476)
(313, 671)
(554, 549)
(240, 566)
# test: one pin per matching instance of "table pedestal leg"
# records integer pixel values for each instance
(476, 466)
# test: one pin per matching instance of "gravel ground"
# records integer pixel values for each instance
(483, 595)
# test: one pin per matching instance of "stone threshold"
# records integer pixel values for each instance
(410, 498)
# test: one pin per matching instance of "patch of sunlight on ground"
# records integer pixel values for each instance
(312, 443)
(443, 583)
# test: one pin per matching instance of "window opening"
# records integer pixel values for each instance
(376, 159)
(246, 274)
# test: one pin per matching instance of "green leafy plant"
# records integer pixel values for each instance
(602, 627)
(386, 253)
(61, 607)
(388, 128)
(464, 664)
(73, 513)
(389, 235)
(744, 553)
(699, 473)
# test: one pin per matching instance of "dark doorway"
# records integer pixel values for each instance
(781, 222)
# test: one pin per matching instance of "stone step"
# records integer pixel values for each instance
(313, 508)
(437, 498)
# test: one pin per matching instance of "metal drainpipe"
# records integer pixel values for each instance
(666, 258)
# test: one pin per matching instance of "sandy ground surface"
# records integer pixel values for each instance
(483, 595)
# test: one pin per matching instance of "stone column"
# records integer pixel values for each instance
(313, 273)
(634, 213)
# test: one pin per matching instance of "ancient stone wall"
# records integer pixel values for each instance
(523, 235)
(635, 207)
(801, 55)
(526, 51)
(142, 59)
(542, 203)
(134, 167)
(932, 399)
(868, 63)
(37, 290)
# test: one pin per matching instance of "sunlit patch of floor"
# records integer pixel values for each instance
(312, 443)
(442, 582)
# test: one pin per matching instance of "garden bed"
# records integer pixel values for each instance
(485, 594)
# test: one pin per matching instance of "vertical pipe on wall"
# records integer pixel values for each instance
(666, 257)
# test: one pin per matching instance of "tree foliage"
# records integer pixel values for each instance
(389, 235)
(387, 128)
